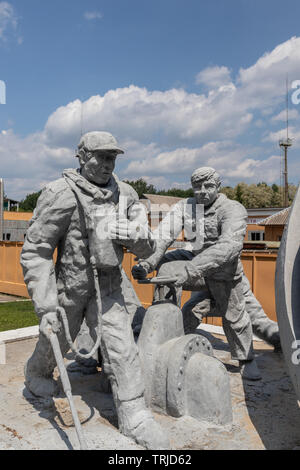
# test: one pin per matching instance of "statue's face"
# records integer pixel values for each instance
(206, 192)
(100, 166)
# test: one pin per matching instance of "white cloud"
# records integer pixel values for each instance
(8, 20)
(292, 114)
(28, 163)
(172, 117)
(93, 15)
(214, 77)
(166, 134)
(177, 117)
(294, 135)
(264, 83)
(232, 161)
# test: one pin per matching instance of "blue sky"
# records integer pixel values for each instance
(181, 84)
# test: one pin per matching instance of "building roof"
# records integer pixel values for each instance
(6, 199)
(277, 219)
(263, 211)
(157, 199)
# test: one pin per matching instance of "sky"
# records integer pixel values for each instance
(180, 84)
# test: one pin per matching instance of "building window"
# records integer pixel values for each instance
(256, 236)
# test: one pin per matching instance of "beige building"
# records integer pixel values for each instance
(274, 225)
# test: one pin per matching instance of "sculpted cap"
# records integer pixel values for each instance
(98, 140)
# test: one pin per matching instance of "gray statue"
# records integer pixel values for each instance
(214, 270)
(74, 214)
(287, 282)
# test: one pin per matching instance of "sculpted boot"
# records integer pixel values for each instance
(249, 370)
(271, 336)
(39, 369)
(137, 422)
(40, 385)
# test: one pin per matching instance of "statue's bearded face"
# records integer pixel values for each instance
(99, 166)
(206, 192)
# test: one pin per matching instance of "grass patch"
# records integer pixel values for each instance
(14, 315)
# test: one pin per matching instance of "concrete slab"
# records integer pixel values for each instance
(266, 414)
(11, 298)
(10, 336)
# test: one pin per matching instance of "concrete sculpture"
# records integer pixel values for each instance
(75, 214)
(213, 268)
(182, 376)
(147, 359)
(287, 282)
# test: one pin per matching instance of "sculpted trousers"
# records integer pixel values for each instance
(263, 327)
(118, 349)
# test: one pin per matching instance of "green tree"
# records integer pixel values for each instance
(176, 192)
(229, 192)
(292, 192)
(239, 192)
(29, 203)
(142, 187)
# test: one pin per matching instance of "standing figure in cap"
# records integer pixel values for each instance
(77, 215)
(213, 269)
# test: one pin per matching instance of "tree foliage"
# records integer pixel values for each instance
(29, 203)
(250, 195)
(142, 187)
(259, 195)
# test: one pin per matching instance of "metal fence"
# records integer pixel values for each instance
(259, 268)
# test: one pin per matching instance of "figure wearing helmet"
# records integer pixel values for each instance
(72, 215)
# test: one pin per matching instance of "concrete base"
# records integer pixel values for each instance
(265, 413)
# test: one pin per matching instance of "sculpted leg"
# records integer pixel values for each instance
(230, 302)
(133, 305)
(195, 309)
(122, 366)
(263, 327)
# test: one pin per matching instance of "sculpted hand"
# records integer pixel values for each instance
(125, 229)
(50, 323)
(177, 270)
(140, 270)
(181, 277)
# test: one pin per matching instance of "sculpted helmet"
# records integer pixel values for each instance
(98, 140)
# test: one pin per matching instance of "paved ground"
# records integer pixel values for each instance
(266, 414)
(10, 298)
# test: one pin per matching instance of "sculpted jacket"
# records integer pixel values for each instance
(218, 257)
(59, 222)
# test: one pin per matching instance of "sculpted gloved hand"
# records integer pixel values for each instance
(50, 323)
(124, 229)
(175, 270)
(140, 270)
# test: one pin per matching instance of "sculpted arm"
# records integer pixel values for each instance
(165, 234)
(142, 243)
(227, 248)
(49, 224)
